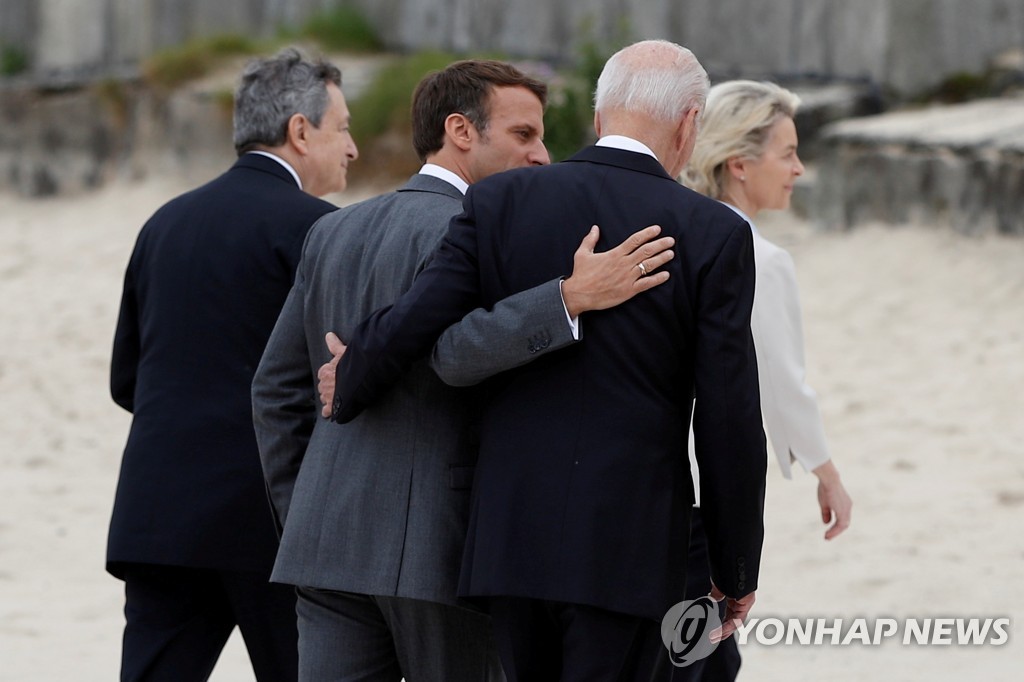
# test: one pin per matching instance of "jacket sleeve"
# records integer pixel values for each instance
(518, 330)
(729, 440)
(284, 402)
(790, 407)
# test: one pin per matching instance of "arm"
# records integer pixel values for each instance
(790, 406)
(532, 323)
(519, 329)
(283, 403)
(124, 363)
(729, 441)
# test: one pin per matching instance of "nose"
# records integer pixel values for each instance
(539, 156)
(352, 152)
(798, 170)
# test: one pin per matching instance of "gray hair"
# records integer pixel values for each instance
(639, 79)
(274, 89)
(738, 119)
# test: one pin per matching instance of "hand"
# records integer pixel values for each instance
(736, 611)
(833, 500)
(604, 280)
(327, 372)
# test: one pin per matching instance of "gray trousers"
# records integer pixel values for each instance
(346, 637)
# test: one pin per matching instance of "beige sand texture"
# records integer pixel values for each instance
(915, 340)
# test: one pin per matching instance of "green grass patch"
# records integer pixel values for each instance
(194, 59)
(386, 104)
(341, 28)
(12, 61)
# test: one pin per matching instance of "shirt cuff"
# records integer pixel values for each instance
(574, 322)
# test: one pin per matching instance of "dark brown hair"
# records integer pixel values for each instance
(463, 87)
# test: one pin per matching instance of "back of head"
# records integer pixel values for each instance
(462, 88)
(274, 89)
(653, 78)
(737, 120)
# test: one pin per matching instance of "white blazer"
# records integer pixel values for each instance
(789, 406)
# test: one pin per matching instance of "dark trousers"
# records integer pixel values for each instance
(347, 637)
(724, 662)
(178, 620)
(543, 641)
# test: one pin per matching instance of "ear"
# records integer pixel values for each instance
(737, 167)
(460, 131)
(687, 126)
(597, 123)
(298, 133)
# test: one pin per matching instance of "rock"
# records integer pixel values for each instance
(961, 165)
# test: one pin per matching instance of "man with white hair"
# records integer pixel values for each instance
(580, 514)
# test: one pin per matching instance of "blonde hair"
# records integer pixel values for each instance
(737, 120)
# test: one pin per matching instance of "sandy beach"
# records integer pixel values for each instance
(915, 339)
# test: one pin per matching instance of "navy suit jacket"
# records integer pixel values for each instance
(205, 283)
(583, 490)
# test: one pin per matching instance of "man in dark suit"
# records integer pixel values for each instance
(374, 514)
(192, 533)
(577, 539)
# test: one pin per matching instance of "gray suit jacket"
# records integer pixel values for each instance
(378, 506)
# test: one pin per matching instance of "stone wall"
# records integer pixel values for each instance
(906, 46)
(961, 166)
(69, 141)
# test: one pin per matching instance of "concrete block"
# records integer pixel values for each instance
(958, 165)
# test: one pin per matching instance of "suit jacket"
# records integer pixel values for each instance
(380, 506)
(208, 275)
(583, 490)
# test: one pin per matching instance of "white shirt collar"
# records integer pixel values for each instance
(626, 143)
(287, 166)
(443, 173)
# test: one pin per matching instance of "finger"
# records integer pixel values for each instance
(638, 239)
(326, 370)
(726, 631)
(826, 513)
(325, 411)
(655, 247)
(650, 281)
(655, 262)
(841, 524)
(716, 593)
(589, 242)
(334, 344)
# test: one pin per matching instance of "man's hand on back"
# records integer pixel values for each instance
(604, 280)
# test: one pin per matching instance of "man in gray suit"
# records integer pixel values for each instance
(374, 513)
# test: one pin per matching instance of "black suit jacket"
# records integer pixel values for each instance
(206, 281)
(583, 487)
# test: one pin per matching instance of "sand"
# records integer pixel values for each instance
(915, 340)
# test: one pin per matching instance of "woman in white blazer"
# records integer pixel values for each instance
(746, 157)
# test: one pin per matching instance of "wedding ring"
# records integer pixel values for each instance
(643, 269)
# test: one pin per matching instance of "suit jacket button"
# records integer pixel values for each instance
(740, 585)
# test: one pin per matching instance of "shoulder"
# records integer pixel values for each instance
(771, 258)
